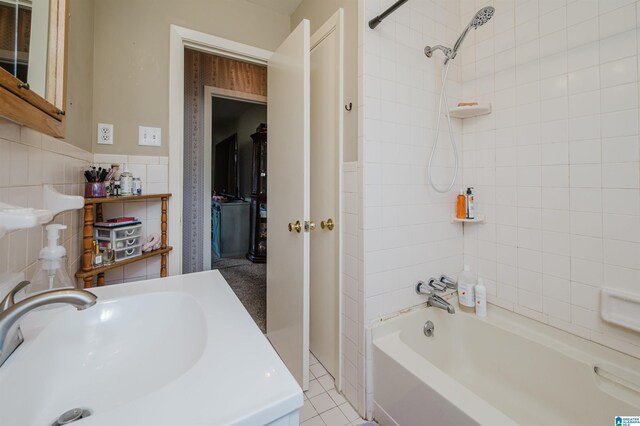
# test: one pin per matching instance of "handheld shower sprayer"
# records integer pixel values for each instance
(480, 18)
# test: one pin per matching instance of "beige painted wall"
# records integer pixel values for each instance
(80, 75)
(318, 12)
(131, 61)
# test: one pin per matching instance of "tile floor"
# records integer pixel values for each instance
(323, 405)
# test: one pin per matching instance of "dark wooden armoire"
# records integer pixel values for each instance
(258, 216)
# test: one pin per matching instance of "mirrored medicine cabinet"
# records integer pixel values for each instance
(33, 58)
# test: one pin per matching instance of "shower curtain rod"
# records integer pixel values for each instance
(375, 21)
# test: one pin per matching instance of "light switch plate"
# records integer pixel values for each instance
(149, 136)
(105, 134)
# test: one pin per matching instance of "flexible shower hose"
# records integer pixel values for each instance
(443, 101)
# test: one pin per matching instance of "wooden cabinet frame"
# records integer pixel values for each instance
(23, 106)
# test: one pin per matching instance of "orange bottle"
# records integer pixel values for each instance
(461, 206)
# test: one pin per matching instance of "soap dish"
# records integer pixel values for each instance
(620, 308)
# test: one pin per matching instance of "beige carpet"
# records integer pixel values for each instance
(249, 283)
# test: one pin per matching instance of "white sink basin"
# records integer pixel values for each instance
(84, 359)
(144, 354)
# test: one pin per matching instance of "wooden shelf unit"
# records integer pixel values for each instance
(93, 206)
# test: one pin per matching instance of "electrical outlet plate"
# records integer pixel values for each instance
(149, 136)
(105, 134)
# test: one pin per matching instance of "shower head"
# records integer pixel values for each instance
(480, 18)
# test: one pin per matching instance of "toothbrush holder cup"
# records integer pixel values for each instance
(95, 190)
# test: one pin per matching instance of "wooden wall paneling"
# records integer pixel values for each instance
(7, 28)
(231, 74)
(24, 29)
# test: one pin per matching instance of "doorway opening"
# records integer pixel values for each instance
(238, 212)
(224, 182)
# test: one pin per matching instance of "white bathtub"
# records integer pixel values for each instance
(501, 370)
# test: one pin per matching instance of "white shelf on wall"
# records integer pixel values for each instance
(478, 219)
(56, 202)
(470, 111)
(17, 217)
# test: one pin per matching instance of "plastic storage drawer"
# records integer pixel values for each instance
(127, 253)
(128, 243)
(115, 234)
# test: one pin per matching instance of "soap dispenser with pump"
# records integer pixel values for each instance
(52, 271)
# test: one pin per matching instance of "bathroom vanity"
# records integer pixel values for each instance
(180, 350)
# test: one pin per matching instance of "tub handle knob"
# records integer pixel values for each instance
(423, 288)
(437, 285)
(449, 282)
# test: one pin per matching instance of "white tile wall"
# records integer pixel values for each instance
(563, 208)
(352, 292)
(154, 173)
(556, 166)
(406, 231)
(29, 159)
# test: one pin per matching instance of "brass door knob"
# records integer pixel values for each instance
(295, 227)
(328, 224)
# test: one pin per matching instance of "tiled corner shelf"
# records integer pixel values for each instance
(479, 219)
(470, 111)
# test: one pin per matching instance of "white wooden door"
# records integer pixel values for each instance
(288, 107)
(326, 148)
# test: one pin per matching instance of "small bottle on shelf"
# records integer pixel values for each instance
(108, 255)
(471, 209)
(137, 186)
(97, 256)
(126, 182)
(481, 298)
(461, 205)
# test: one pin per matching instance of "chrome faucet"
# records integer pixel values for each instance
(429, 289)
(11, 312)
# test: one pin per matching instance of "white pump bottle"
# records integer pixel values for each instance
(52, 272)
(466, 287)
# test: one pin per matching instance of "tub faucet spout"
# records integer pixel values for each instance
(434, 299)
(439, 302)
